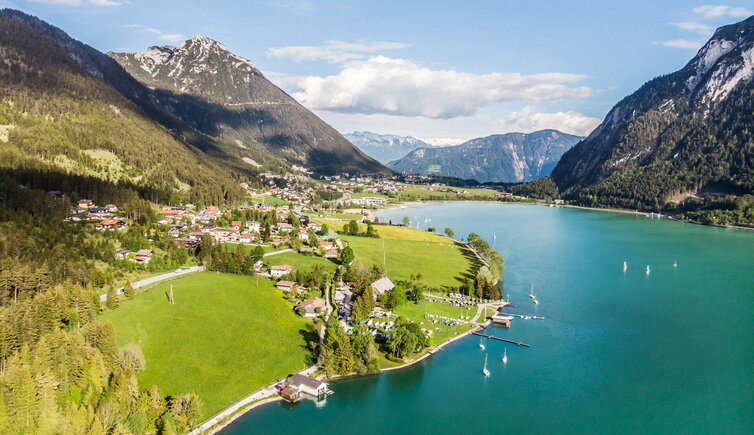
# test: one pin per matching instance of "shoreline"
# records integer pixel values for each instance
(241, 411)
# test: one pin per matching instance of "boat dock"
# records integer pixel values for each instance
(523, 316)
(492, 337)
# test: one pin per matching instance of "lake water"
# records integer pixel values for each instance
(672, 352)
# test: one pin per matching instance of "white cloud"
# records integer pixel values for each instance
(105, 2)
(721, 11)
(680, 43)
(333, 51)
(696, 27)
(406, 88)
(530, 119)
(171, 37)
(58, 2)
(162, 36)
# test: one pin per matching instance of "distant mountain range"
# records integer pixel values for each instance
(511, 157)
(679, 134)
(384, 147)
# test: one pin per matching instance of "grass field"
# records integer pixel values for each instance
(417, 312)
(268, 199)
(408, 251)
(344, 216)
(222, 339)
(423, 193)
(299, 261)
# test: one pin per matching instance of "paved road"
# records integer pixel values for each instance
(282, 251)
(157, 278)
(257, 395)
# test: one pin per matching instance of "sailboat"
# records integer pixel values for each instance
(484, 370)
(648, 269)
(481, 343)
(533, 296)
(675, 263)
(505, 356)
(625, 266)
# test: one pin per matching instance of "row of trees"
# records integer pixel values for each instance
(352, 229)
(488, 280)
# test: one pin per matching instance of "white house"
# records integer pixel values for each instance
(307, 385)
(280, 270)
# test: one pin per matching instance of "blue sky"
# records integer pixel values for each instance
(441, 70)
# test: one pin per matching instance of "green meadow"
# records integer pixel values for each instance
(223, 339)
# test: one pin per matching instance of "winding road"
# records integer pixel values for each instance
(158, 278)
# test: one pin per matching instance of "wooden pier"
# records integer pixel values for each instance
(492, 337)
(522, 316)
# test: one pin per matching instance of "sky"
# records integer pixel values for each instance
(443, 71)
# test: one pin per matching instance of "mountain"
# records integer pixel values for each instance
(686, 133)
(70, 111)
(384, 147)
(505, 158)
(224, 96)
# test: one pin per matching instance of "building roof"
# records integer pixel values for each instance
(298, 380)
(382, 285)
(286, 283)
(143, 252)
(312, 302)
(281, 267)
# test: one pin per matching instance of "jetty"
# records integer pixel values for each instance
(492, 337)
(522, 316)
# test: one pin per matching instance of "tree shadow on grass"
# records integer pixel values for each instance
(474, 264)
(311, 341)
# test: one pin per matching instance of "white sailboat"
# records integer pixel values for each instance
(533, 296)
(675, 263)
(481, 343)
(625, 266)
(505, 356)
(648, 269)
(484, 370)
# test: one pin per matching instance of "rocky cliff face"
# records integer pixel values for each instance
(679, 132)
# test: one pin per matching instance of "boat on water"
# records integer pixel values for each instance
(481, 343)
(675, 263)
(533, 296)
(625, 266)
(484, 370)
(505, 356)
(648, 269)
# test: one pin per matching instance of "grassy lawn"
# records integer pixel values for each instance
(416, 313)
(299, 261)
(419, 193)
(344, 216)
(222, 339)
(408, 251)
(268, 199)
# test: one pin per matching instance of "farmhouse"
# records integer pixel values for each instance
(382, 285)
(280, 270)
(111, 224)
(286, 285)
(143, 256)
(310, 307)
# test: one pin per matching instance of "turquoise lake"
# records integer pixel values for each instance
(668, 352)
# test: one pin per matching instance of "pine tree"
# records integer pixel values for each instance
(129, 291)
(112, 299)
